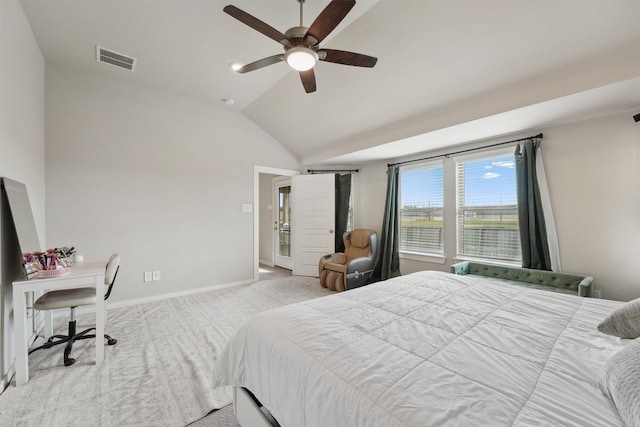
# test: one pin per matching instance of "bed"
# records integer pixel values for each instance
(428, 349)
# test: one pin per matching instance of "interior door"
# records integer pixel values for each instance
(313, 221)
(282, 223)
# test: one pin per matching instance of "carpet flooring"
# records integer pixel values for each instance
(159, 373)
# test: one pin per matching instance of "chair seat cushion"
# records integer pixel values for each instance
(66, 298)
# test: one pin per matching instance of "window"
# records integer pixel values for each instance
(420, 208)
(284, 220)
(487, 212)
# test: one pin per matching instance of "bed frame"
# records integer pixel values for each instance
(247, 409)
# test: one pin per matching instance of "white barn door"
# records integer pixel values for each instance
(313, 213)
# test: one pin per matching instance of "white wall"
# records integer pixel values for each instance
(22, 107)
(21, 141)
(157, 177)
(372, 190)
(593, 171)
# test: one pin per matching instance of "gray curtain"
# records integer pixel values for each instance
(388, 263)
(343, 193)
(533, 232)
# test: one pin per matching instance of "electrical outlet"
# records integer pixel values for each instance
(147, 276)
(156, 275)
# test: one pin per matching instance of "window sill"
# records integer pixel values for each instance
(488, 261)
(415, 256)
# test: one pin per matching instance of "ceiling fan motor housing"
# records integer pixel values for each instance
(296, 37)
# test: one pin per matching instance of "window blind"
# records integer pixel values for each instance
(420, 208)
(487, 212)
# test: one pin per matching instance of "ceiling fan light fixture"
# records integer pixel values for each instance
(301, 58)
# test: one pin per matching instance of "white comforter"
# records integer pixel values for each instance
(428, 349)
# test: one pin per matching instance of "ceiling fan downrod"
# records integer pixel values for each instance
(301, 2)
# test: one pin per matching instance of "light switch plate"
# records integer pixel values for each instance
(246, 208)
(156, 275)
(147, 276)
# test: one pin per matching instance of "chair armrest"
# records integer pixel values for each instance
(361, 265)
(337, 258)
(585, 288)
(460, 268)
(359, 271)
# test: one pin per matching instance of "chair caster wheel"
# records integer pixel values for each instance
(70, 361)
(112, 341)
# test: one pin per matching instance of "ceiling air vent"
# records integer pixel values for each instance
(110, 57)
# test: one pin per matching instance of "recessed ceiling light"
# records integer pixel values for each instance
(228, 101)
(235, 66)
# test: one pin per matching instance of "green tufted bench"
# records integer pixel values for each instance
(538, 279)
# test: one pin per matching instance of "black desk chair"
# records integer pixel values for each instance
(74, 298)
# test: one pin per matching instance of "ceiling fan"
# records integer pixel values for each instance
(302, 44)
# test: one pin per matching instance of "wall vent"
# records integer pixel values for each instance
(116, 59)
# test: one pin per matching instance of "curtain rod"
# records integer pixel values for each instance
(464, 151)
(331, 170)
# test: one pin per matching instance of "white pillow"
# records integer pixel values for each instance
(623, 322)
(620, 382)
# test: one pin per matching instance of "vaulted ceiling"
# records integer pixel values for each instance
(448, 71)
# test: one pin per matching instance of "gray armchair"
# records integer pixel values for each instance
(353, 268)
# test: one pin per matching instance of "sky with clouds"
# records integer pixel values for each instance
(490, 182)
(487, 182)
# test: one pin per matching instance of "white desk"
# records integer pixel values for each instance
(82, 275)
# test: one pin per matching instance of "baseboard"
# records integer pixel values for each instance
(175, 294)
(128, 303)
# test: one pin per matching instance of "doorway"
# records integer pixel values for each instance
(264, 228)
(301, 222)
(282, 222)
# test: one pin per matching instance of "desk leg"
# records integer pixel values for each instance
(20, 335)
(48, 324)
(100, 319)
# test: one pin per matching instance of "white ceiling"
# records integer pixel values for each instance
(451, 71)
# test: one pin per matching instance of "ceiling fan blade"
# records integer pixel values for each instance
(347, 58)
(257, 24)
(308, 80)
(329, 18)
(260, 63)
